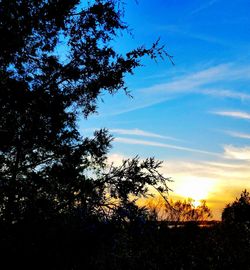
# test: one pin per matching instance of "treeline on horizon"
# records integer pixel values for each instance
(77, 242)
(62, 205)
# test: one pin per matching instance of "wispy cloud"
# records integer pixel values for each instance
(186, 32)
(192, 82)
(135, 132)
(237, 153)
(139, 132)
(199, 82)
(163, 145)
(238, 134)
(206, 5)
(226, 94)
(234, 114)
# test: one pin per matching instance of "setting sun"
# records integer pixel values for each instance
(196, 203)
(196, 189)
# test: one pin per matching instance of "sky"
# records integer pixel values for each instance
(195, 115)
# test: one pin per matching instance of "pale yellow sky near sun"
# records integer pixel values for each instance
(219, 183)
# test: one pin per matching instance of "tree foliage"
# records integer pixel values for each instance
(47, 168)
(178, 211)
(238, 211)
(185, 211)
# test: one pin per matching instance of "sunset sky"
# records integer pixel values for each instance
(194, 116)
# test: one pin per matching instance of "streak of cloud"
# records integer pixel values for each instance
(193, 81)
(237, 153)
(198, 82)
(163, 145)
(238, 134)
(180, 30)
(204, 6)
(190, 81)
(233, 114)
(139, 132)
(224, 93)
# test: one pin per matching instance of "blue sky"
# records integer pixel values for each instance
(195, 116)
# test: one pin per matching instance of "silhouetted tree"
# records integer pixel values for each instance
(185, 211)
(177, 211)
(61, 204)
(238, 211)
(47, 168)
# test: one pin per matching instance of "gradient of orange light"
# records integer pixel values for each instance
(195, 188)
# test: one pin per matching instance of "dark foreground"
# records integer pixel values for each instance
(151, 245)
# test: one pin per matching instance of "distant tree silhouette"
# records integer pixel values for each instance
(47, 168)
(178, 211)
(185, 211)
(239, 210)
